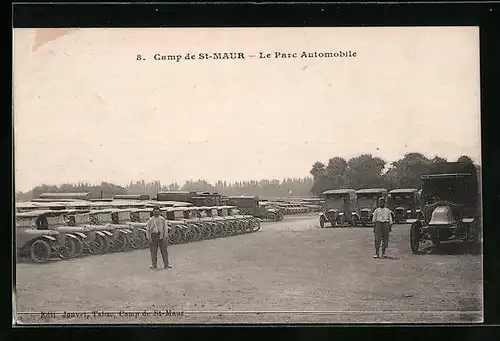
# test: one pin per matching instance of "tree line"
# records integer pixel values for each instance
(263, 188)
(364, 171)
(367, 171)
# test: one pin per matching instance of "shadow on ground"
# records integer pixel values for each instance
(453, 248)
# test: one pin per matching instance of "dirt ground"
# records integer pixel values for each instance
(288, 272)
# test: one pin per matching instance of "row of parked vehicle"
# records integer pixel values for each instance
(447, 207)
(349, 207)
(69, 230)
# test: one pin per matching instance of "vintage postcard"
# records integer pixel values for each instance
(247, 175)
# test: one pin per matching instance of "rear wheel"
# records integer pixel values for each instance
(205, 232)
(69, 249)
(136, 242)
(94, 246)
(121, 243)
(105, 244)
(322, 221)
(79, 248)
(272, 216)
(196, 233)
(40, 251)
(255, 226)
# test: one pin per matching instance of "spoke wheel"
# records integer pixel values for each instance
(40, 251)
(94, 246)
(69, 249)
(255, 226)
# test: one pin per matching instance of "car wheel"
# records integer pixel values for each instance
(94, 246)
(79, 248)
(40, 251)
(104, 243)
(322, 222)
(272, 217)
(68, 249)
(255, 225)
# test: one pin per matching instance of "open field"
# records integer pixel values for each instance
(290, 266)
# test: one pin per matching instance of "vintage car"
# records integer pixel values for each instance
(117, 235)
(251, 205)
(451, 206)
(368, 202)
(221, 227)
(138, 221)
(124, 216)
(404, 203)
(235, 224)
(184, 224)
(131, 197)
(34, 240)
(96, 236)
(275, 212)
(76, 239)
(26, 206)
(252, 223)
(196, 198)
(340, 208)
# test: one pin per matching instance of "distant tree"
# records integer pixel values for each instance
(198, 186)
(317, 169)
(320, 176)
(465, 158)
(407, 171)
(364, 171)
(336, 172)
(438, 159)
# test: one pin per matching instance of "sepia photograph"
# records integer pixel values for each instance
(247, 175)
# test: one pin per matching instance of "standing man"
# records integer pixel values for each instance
(382, 218)
(157, 233)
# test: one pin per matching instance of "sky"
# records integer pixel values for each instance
(86, 110)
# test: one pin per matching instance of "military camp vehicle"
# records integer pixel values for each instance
(195, 198)
(66, 196)
(36, 241)
(451, 206)
(251, 205)
(404, 203)
(117, 235)
(368, 202)
(275, 212)
(131, 197)
(340, 208)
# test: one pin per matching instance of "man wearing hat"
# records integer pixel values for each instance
(382, 218)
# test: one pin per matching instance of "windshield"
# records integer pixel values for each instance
(26, 222)
(178, 215)
(368, 200)
(336, 202)
(459, 190)
(400, 199)
(104, 217)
